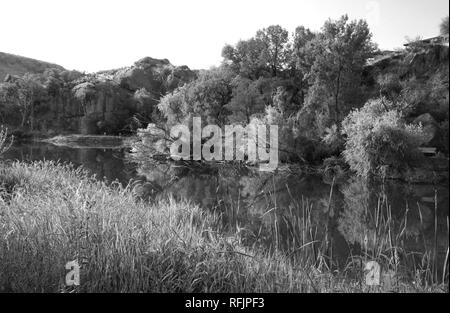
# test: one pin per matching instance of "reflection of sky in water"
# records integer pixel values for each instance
(104, 163)
(244, 198)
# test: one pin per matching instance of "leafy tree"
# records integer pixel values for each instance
(378, 139)
(205, 97)
(246, 59)
(267, 54)
(302, 39)
(246, 100)
(174, 106)
(301, 60)
(340, 52)
(277, 47)
(7, 105)
(53, 82)
(25, 93)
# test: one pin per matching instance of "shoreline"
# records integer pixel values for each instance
(90, 141)
(433, 170)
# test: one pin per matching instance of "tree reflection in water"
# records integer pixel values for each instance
(286, 210)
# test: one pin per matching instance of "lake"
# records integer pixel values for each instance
(288, 210)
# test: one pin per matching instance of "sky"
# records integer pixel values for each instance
(93, 35)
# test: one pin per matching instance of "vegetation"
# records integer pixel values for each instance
(306, 82)
(5, 142)
(444, 27)
(25, 99)
(334, 100)
(379, 139)
(317, 86)
(52, 214)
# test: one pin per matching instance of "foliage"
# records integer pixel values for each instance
(53, 213)
(247, 58)
(390, 86)
(333, 140)
(276, 52)
(302, 44)
(340, 52)
(246, 100)
(379, 139)
(205, 97)
(25, 93)
(4, 144)
(427, 96)
(124, 244)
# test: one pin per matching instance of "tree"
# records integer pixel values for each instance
(444, 27)
(302, 57)
(378, 139)
(25, 93)
(247, 58)
(265, 55)
(301, 60)
(277, 47)
(205, 97)
(246, 100)
(52, 81)
(8, 109)
(340, 52)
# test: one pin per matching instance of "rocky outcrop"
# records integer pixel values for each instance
(420, 63)
(105, 102)
(417, 77)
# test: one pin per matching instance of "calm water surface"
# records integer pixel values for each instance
(266, 208)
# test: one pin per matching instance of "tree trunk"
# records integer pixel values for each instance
(336, 97)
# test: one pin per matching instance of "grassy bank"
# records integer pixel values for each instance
(51, 214)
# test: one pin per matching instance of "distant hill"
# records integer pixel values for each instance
(17, 65)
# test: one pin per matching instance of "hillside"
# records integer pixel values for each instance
(97, 103)
(18, 65)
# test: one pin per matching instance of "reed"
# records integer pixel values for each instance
(53, 213)
(5, 140)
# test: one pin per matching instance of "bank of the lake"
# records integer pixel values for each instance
(431, 169)
(91, 141)
(51, 214)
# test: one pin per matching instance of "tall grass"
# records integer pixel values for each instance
(305, 237)
(52, 213)
(5, 141)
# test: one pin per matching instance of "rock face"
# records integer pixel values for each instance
(105, 102)
(420, 77)
(422, 63)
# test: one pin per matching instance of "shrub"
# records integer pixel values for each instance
(378, 139)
